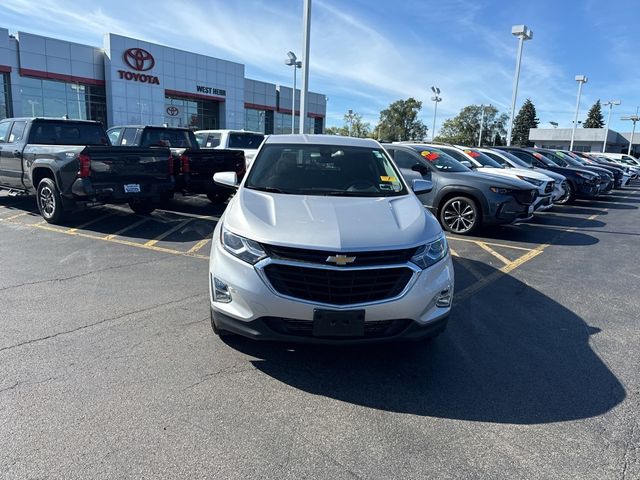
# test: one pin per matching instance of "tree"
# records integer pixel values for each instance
(464, 128)
(524, 121)
(399, 121)
(353, 125)
(595, 119)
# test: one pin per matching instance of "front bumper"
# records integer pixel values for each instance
(543, 203)
(588, 190)
(257, 311)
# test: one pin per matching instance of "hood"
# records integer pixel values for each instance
(331, 223)
(513, 172)
(476, 178)
(556, 176)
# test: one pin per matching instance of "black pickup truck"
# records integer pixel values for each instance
(193, 166)
(70, 164)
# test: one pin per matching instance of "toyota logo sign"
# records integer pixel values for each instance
(172, 111)
(139, 59)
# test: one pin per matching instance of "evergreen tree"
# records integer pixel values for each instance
(525, 120)
(595, 119)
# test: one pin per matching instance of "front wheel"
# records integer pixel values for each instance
(142, 207)
(460, 215)
(49, 201)
(569, 195)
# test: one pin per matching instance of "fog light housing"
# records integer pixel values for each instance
(443, 299)
(220, 290)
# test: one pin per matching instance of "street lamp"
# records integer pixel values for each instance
(295, 63)
(581, 79)
(436, 99)
(350, 116)
(610, 104)
(482, 107)
(523, 33)
(634, 119)
(554, 124)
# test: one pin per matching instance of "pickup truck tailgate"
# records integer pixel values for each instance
(204, 163)
(128, 164)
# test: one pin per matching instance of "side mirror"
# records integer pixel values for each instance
(421, 169)
(421, 186)
(467, 164)
(226, 179)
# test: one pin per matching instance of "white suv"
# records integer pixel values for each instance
(244, 140)
(324, 242)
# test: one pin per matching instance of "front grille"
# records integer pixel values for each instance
(549, 187)
(385, 257)
(304, 328)
(338, 287)
(525, 197)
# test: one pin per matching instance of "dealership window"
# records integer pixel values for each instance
(259, 120)
(5, 100)
(187, 112)
(52, 98)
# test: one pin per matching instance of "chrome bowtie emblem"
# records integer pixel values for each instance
(341, 259)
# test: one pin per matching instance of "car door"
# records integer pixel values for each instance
(5, 150)
(13, 154)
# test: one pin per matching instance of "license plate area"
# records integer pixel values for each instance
(530, 210)
(132, 188)
(338, 323)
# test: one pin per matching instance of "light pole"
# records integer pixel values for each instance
(634, 119)
(610, 104)
(554, 124)
(581, 79)
(481, 125)
(436, 99)
(523, 33)
(350, 120)
(295, 63)
(306, 24)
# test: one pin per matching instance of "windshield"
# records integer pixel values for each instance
(568, 158)
(67, 133)
(556, 159)
(542, 158)
(512, 160)
(325, 170)
(440, 160)
(245, 140)
(482, 158)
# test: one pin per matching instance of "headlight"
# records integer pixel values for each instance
(503, 191)
(431, 253)
(586, 176)
(243, 248)
(532, 181)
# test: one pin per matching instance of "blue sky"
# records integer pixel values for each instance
(367, 54)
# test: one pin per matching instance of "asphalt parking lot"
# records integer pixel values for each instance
(110, 369)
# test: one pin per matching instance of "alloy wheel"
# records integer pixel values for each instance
(459, 216)
(47, 201)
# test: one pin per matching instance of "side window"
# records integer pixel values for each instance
(114, 135)
(4, 130)
(17, 132)
(129, 136)
(497, 158)
(524, 157)
(405, 159)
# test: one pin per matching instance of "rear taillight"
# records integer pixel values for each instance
(85, 165)
(184, 163)
(170, 162)
(241, 169)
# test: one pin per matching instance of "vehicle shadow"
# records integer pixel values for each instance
(526, 362)
(606, 203)
(536, 233)
(565, 221)
(577, 210)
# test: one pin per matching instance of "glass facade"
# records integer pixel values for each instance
(187, 112)
(282, 124)
(258, 120)
(52, 98)
(5, 98)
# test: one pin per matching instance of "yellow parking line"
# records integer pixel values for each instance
(198, 246)
(487, 248)
(129, 227)
(489, 243)
(91, 222)
(7, 219)
(168, 232)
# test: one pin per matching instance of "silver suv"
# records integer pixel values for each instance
(325, 242)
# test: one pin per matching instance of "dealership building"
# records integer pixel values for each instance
(585, 140)
(130, 81)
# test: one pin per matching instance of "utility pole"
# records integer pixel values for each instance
(306, 23)
(634, 119)
(481, 125)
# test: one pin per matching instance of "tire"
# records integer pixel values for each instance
(460, 215)
(142, 207)
(568, 197)
(49, 201)
(219, 332)
(218, 197)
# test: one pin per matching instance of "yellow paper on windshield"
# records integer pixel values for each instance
(388, 179)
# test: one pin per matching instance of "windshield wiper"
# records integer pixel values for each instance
(268, 189)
